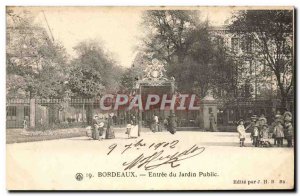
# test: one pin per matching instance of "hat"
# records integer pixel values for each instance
(111, 114)
(253, 117)
(287, 113)
(264, 125)
(101, 124)
(240, 121)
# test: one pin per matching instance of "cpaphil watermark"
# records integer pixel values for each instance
(149, 101)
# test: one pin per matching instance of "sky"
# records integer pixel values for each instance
(118, 29)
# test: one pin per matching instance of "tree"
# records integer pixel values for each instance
(168, 33)
(272, 34)
(93, 73)
(33, 58)
(136, 71)
(184, 43)
(209, 65)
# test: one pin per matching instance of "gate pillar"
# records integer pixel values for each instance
(208, 112)
(32, 113)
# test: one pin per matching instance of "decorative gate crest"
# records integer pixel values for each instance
(154, 74)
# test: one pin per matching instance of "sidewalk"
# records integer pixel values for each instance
(21, 135)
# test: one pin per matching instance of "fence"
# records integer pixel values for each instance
(79, 112)
(47, 112)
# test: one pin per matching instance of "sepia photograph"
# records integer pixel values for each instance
(159, 98)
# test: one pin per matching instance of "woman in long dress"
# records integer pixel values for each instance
(95, 130)
(109, 134)
(133, 133)
(212, 122)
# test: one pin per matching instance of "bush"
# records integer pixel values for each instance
(55, 126)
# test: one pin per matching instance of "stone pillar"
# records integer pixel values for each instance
(32, 113)
(208, 105)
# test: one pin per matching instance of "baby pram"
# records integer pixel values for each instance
(265, 143)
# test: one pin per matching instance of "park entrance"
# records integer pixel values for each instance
(155, 82)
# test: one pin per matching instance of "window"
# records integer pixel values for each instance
(26, 111)
(220, 41)
(11, 112)
(247, 45)
(248, 68)
(234, 44)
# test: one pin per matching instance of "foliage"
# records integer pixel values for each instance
(272, 35)
(184, 43)
(93, 72)
(56, 126)
(33, 58)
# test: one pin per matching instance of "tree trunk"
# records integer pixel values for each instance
(283, 92)
(284, 100)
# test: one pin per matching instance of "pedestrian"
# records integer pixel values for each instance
(156, 123)
(95, 131)
(110, 134)
(278, 116)
(250, 127)
(128, 127)
(101, 124)
(212, 122)
(152, 123)
(134, 129)
(289, 134)
(255, 136)
(279, 133)
(264, 136)
(242, 132)
(165, 123)
(287, 117)
(89, 132)
(262, 120)
(101, 130)
(159, 125)
(172, 124)
(25, 126)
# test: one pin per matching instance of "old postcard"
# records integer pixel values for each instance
(150, 98)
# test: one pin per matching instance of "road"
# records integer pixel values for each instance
(215, 159)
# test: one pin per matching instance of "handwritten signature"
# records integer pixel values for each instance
(159, 157)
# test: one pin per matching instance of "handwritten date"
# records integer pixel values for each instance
(159, 157)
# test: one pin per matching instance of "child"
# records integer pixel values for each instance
(289, 134)
(255, 136)
(279, 133)
(101, 130)
(242, 133)
(128, 129)
(250, 127)
(264, 134)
